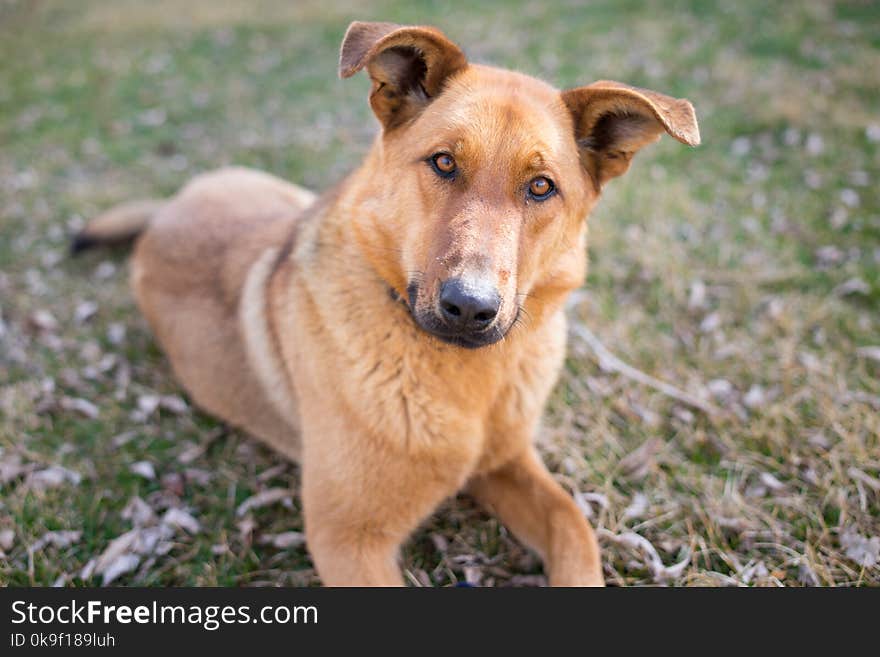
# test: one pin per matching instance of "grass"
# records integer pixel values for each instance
(747, 270)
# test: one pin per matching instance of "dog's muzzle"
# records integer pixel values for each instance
(465, 314)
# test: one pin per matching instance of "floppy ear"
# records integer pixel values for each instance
(612, 121)
(408, 66)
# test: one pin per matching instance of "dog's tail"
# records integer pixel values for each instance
(119, 225)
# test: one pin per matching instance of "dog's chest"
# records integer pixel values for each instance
(427, 403)
(482, 407)
(475, 408)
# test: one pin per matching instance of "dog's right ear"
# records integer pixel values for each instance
(408, 66)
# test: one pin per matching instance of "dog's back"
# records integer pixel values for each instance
(189, 272)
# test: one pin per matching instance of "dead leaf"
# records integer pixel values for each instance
(124, 563)
(116, 333)
(440, 543)
(720, 388)
(174, 404)
(52, 477)
(284, 540)
(771, 482)
(473, 575)
(139, 512)
(84, 311)
(861, 549)
(815, 145)
(192, 451)
(124, 552)
(143, 469)
(828, 256)
(649, 553)
(7, 538)
(868, 480)
(197, 476)
(11, 467)
(246, 527)
(683, 414)
(123, 438)
(82, 406)
(636, 508)
(753, 570)
(271, 473)
(806, 575)
(104, 270)
(43, 320)
(755, 397)
(637, 463)
(852, 286)
(179, 518)
(872, 353)
(60, 539)
(697, 296)
(850, 197)
(174, 482)
(88, 570)
(267, 497)
(710, 323)
(147, 404)
(585, 501)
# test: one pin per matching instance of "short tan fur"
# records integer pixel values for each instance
(399, 336)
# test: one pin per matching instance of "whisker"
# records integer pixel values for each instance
(524, 317)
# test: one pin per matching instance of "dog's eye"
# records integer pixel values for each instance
(444, 164)
(541, 188)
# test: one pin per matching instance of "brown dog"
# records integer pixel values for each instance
(399, 335)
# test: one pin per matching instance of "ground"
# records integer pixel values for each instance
(745, 272)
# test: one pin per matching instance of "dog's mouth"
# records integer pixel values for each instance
(469, 340)
(428, 321)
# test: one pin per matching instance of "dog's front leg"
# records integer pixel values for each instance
(536, 508)
(361, 502)
(354, 554)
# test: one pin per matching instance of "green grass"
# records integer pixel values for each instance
(779, 208)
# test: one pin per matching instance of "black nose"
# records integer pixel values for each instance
(467, 305)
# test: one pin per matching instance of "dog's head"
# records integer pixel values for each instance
(482, 178)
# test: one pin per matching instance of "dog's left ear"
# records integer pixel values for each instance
(408, 66)
(612, 121)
